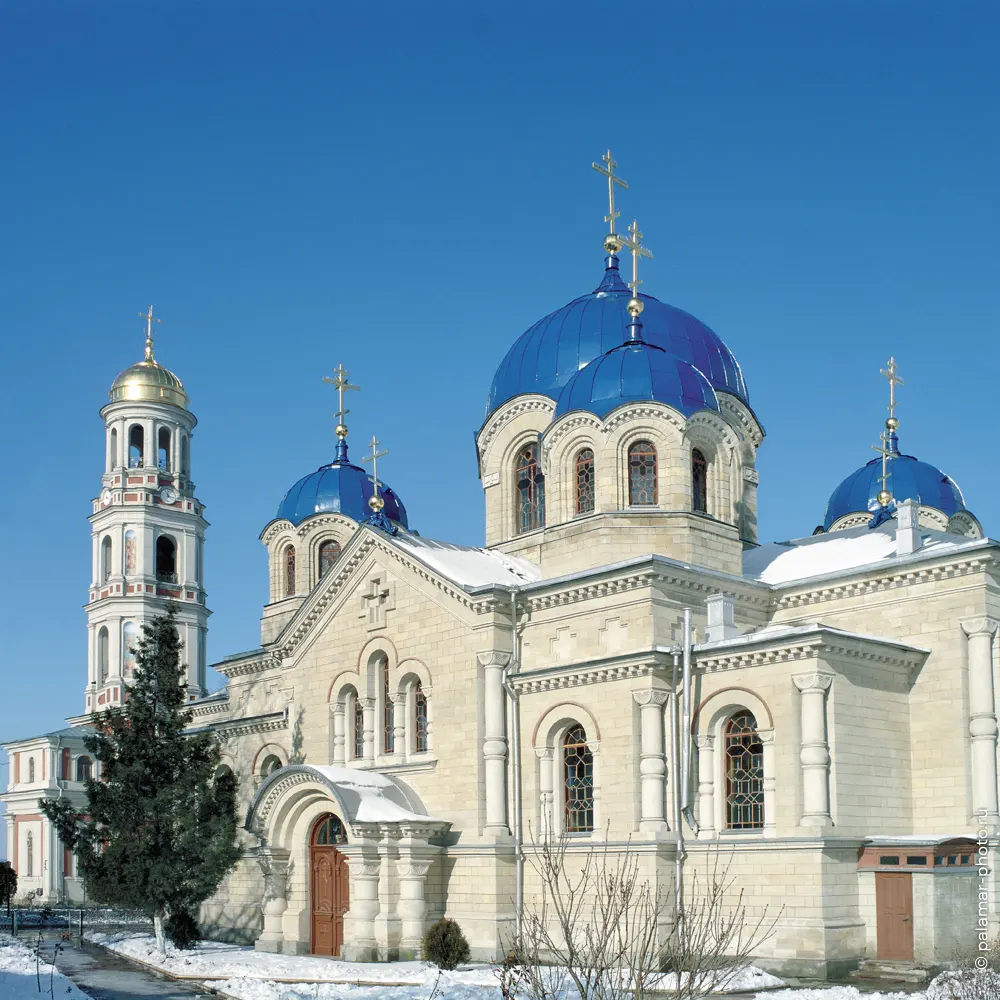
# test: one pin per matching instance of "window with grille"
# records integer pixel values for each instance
(328, 553)
(578, 782)
(290, 571)
(419, 719)
(699, 482)
(529, 490)
(388, 734)
(359, 729)
(329, 831)
(585, 482)
(642, 474)
(744, 757)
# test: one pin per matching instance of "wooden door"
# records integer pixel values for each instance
(328, 894)
(894, 915)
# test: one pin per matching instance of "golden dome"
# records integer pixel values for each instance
(151, 382)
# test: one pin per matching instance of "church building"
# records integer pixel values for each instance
(623, 661)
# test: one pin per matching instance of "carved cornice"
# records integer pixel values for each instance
(732, 407)
(979, 626)
(628, 667)
(508, 412)
(655, 411)
(813, 681)
(274, 529)
(566, 424)
(255, 664)
(904, 577)
(311, 524)
(271, 723)
(211, 708)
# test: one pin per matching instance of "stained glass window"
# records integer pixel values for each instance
(744, 756)
(699, 482)
(529, 489)
(419, 719)
(578, 782)
(328, 553)
(585, 482)
(388, 734)
(359, 729)
(329, 831)
(290, 571)
(642, 474)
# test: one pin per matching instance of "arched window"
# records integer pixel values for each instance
(31, 769)
(84, 769)
(290, 571)
(222, 770)
(103, 654)
(578, 782)
(642, 474)
(270, 764)
(419, 719)
(328, 553)
(329, 831)
(163, 449)
(113, 449)
(388, 733)
(105, 559)
(529, 489)
(166, 559)
(359, 728)
(699, 482)
(585, 481)
(136, 446)
(744, 757)
(30, 852)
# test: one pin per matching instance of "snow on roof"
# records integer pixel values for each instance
(790, 632)
(467, 566)
(778, 563)
(370, 797)
(917, 838)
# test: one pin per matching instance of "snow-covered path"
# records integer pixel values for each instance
(21, 974)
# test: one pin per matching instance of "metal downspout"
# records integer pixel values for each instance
(686, 810)
(675, 752)
(513, 667)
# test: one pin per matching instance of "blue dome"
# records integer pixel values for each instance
(549, 354)
(339, 487)
(909, 480)
(637, 371)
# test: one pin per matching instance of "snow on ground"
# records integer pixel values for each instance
(18, 978)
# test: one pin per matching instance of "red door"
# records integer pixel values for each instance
(894, 915)
(328, 886)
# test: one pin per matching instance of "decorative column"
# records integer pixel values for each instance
(545, 756)
(364, 866)
(338, 752)
(399, 725)
(815, 751)
(652, 764)
(493, 663)
(274, 863)
(767, 762)
(368, 714)
(982, 719)
(416, 855)
(706, 787)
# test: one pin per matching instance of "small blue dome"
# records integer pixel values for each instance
(551, 352)
(637, 371)
(910, 479)
(339, 487)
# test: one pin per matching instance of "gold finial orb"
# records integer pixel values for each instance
(376, 502)
(612, 243)
(883, 498)
(340, 430)
(892, 423)
(634, 307)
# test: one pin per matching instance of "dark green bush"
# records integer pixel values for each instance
(182, 929)
(445, 945)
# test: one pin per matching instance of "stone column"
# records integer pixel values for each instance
(652, 764)
(399, 724)
(545, 755)
(339, 749)
(364, 867)
(982, 719)
(815, 751)
(416, 855)
(706, 787)
(368, 714)
(495, 742)
(274, 863)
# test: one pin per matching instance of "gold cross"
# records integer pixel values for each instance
(884, 496)
(341, 384)
(150, 320)
(890, 373)
(375, 501)
(612, 242)
(638, 250)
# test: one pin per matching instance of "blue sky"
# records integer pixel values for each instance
(405, 188)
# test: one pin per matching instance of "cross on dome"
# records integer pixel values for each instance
(150, 320)
(341, 384)
(612, 242)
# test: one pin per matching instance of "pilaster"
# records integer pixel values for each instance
(982, 720)
(814, 754)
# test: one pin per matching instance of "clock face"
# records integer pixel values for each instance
(168, 494)
(106, 496)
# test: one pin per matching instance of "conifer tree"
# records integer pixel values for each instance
(160, 830)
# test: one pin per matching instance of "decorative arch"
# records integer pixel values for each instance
(266, 751)
(558, 717)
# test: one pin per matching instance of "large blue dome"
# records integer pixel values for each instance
(910, 479)
(339, 487)
(632, 372)
(545, 357)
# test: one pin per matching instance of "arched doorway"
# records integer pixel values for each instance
(328, 887)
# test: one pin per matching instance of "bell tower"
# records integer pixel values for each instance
(147, 530)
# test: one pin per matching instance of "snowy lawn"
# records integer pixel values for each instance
(18, 979)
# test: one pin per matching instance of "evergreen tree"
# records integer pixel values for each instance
(8, 883)
(160, 834)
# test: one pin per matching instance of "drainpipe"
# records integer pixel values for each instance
(686, 810)
(513, 667)
(675, 744)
